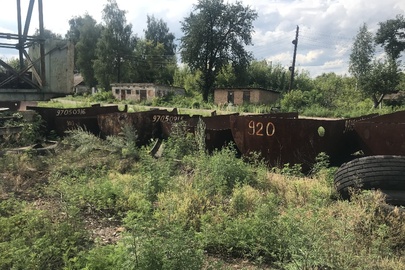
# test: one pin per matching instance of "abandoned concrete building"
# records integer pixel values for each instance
(143, 91)
(245, 95)
(79, 87)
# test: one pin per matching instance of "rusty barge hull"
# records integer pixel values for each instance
(61, 120)
(147, 124)
(280, 138)
(289, 140)
(382, 135)
(217, 129)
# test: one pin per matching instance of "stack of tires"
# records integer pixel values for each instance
(385, 173)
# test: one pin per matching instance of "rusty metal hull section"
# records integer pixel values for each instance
(281, 140)
(218, 132)
(382, 135)
(217, 129)
(62, 120)
(146, 123)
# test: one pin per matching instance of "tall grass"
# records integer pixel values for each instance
(189, 204)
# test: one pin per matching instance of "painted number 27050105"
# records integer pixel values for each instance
(261, 129)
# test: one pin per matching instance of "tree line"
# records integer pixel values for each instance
(213, 53)
(215, 35)
(378, 76)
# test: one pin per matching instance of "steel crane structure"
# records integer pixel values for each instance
(45, 66)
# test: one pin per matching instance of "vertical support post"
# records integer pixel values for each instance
(28, 19)
(292, 68)
(20, 39)
(42, 42)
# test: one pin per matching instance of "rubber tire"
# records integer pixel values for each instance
(394, 197)
(384, 172)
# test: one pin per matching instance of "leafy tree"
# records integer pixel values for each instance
(73, 34)
(375, 78)
(259, 73)
(158, 32)
(227, 77)
(48, 34)
(114, 48)
(183, 77)
(401, 84)
(295, 100)
(391, 36)
(267, 75)
(362, 54)
(214, 35)
(151, 64)
(87, 34)
(75, 23)
(382, 79)
(361, 57)
(332, 90)
(12, 62)
(154, 57)
(303, 81)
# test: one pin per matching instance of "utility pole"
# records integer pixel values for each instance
(292, 68)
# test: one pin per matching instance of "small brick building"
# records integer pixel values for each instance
(143, 91)
(245, 95)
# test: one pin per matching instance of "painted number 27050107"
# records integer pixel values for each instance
(261, 129)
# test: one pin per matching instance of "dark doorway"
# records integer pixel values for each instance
(230, 97)
(142, 95)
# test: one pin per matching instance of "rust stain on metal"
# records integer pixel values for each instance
(281, 140)
(217, 129)
(382, 135)
(64, 119)
(146, 123)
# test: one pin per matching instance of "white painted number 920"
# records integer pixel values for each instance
(260, 129)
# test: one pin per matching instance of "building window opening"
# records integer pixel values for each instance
(246, 96)
(230, 97)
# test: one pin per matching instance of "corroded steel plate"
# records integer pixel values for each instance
(283, 141)
(382, 135)
(64, 119)
(146, 123)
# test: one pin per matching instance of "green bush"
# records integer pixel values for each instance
(31, 131)
(220, 172)
(30, 239)
(169, 248)
(185, 209)
(108, 257)
(153, 245)
(180, 143)
(247, 233)
(341, 236)
(295, 101)
(102, 96)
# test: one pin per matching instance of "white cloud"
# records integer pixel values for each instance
(283, 58)
(309, 57)
(327, 27)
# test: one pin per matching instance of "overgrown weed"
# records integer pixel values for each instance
(189, 203)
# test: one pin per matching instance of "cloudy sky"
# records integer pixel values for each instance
(326, 27)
